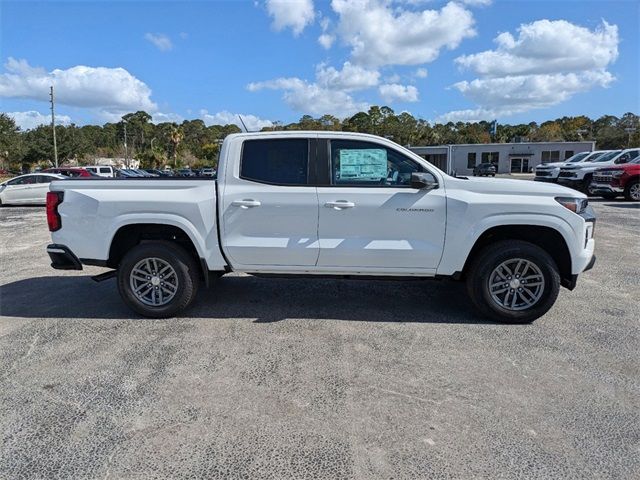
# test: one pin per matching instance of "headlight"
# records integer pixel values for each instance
(576, 205)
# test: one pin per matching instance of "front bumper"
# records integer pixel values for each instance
(596, 188)
(546, 179)
(62, 258)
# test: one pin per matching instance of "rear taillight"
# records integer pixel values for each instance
(53, 217)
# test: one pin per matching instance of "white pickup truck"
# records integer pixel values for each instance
(344, 205)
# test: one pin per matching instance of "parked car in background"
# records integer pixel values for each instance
(102, 170)
(143, 173)
(612, 182)
(484, 169)
(27, 189)
(208, 172)
(70, 171)
(548, 172)
(159, 173)
(186, 172)
(579, 176)
(127, 173)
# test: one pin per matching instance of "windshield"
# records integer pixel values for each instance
(595, 156)
(578, 157)
(608, 156)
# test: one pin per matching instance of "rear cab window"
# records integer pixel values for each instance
(276, 161)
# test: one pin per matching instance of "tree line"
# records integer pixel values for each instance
(195, 144)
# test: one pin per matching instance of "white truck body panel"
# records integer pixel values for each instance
(94, 210)
(318, 229)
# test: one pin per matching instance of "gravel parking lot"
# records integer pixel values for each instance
(317, 378)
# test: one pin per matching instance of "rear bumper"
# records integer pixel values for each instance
(62, 258)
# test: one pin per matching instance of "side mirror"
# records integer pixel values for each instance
(622, 159)
(423, 181)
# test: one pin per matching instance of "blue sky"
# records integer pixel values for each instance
(264, 59)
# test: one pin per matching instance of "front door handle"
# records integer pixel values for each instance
(340, 204)
(246, 203)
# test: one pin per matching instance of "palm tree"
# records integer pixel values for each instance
(175, 137)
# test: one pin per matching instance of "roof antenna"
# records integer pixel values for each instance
(246, 130)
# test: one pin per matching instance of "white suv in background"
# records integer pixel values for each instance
(548, 172)
(579, 176)
(102, 170)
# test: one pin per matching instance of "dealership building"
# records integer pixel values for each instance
(508, 157)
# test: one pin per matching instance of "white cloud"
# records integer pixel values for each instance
(311, 98)
(470, 115)
(520, 93)
(548, 63)
(225, 117)
(477, 3)
(160, 117)
(326, 40)
(395, 92)
(161, 41)
(350, 78)
(380, 32)
(110, 90)
(330, 93)
(32, 119)
(294, 14)
(421, 73)
(546, 47)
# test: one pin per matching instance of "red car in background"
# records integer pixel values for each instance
(72, 172)
(611, 182)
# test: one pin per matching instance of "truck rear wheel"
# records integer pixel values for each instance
(513, 281)
(158, 279)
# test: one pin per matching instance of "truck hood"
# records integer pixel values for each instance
(550, 165)
(504, 186)
(588, 166)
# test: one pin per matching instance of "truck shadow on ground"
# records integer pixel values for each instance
(246, 297)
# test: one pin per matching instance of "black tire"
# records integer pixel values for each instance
(490, 258)
(186, 271)
(493, 174)
(631, 191)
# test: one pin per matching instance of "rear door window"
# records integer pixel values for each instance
(277, 161)
(105, 170)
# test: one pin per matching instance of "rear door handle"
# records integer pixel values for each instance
(340, 204)
(246, 203)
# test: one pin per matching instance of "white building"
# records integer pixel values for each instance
(508, 157)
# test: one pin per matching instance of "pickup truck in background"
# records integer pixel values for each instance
(548, 172)
(621, 180)
(579, 176)
(336, 204)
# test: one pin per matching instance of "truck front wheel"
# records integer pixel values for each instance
(513, 281)
(158, 279)
(632, 192)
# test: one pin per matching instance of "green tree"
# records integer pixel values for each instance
(11, 144)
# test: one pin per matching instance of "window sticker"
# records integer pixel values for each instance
(364, 164)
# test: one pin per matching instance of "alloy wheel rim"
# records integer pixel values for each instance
(635, 191)
(516, 284)
(153, 281)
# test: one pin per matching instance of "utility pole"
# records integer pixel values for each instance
(53, 127)
(126, 155)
